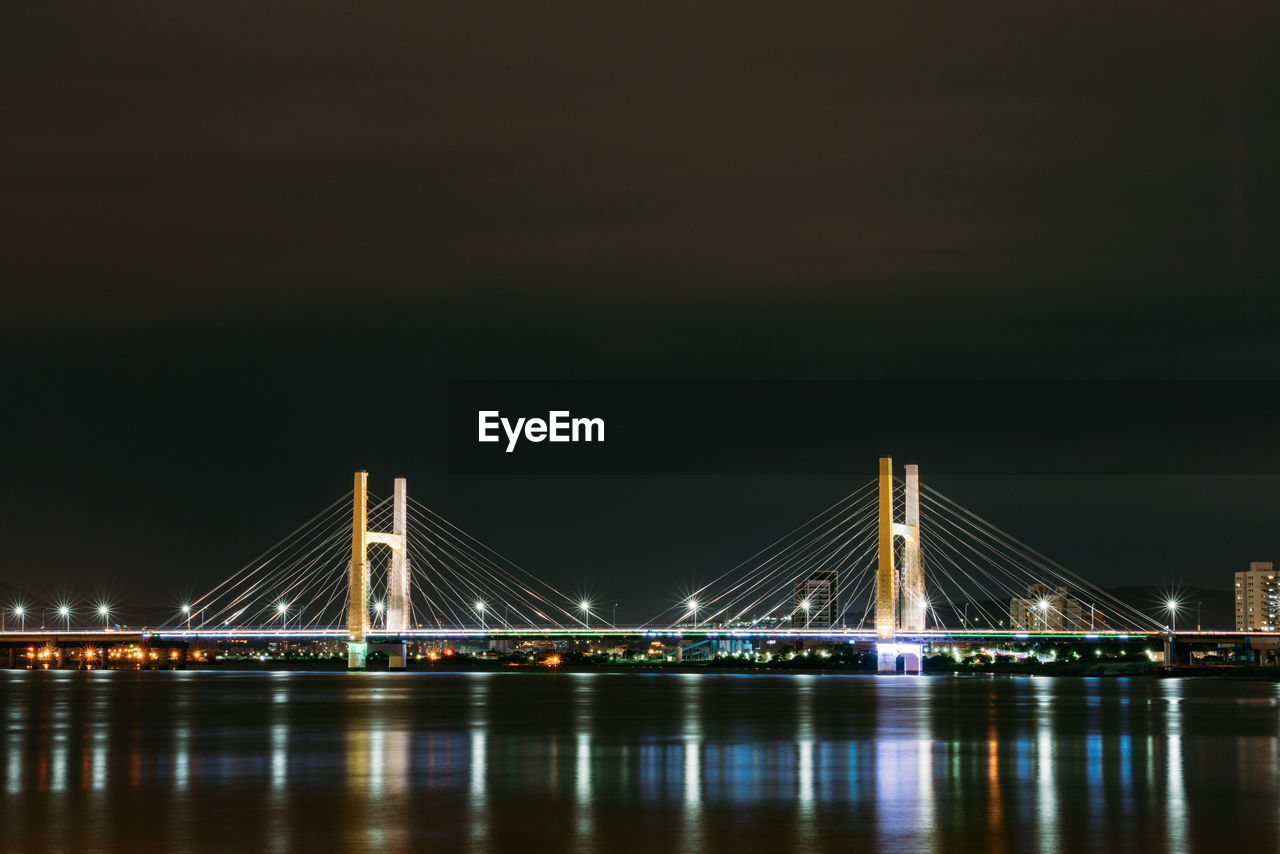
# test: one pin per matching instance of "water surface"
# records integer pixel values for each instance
(115, 761)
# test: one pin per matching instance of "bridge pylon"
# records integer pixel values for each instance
(908, 614)
(397, 610)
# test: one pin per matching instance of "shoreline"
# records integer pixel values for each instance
(1265, 673)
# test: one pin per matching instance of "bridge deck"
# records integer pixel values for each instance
(846, 635)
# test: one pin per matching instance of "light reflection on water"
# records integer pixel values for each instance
(623, 762)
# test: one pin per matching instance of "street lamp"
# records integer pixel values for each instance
(804, 606)
(585, 607)
(186, 612)
(377, 608)
(21, 613)
(283, 610)
(1044, 614)
(1172, 607)
(104, 611)
(64, 612)
(480, 611)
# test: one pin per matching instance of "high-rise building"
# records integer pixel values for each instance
(1042, 611)
(816, 600)
(1258, 598)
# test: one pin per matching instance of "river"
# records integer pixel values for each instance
(673, 762)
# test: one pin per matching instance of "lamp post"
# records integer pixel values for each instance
(585, 607)
(283, 610)
(65, 613)
(693, 609)
(104, 611)
(1172, 607)
(615, 615)
(480, 611)
(186, 612)
(21, 613)
(377, 608)
(804, 606)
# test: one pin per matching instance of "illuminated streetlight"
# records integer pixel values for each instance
(21, 613)
(186, 612)
(283, 610)
(104, 611)
(1172, 607)
(693, 609)
(585, 607)
(64, 611)
(480, 611)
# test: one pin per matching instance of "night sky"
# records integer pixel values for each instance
(246, 246)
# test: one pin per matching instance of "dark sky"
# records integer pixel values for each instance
(245, 246)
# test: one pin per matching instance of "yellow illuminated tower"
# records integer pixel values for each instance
(913, 598)
(886, 575)
(888, 619)
(397, 578)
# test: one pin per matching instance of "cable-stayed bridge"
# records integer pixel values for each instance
(894, 563)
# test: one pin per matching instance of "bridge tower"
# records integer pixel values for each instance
(909, 615)
(397, 611)
(913, 600)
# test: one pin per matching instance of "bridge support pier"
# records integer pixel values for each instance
(358, 654)
(887, 657)
(397, 653)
